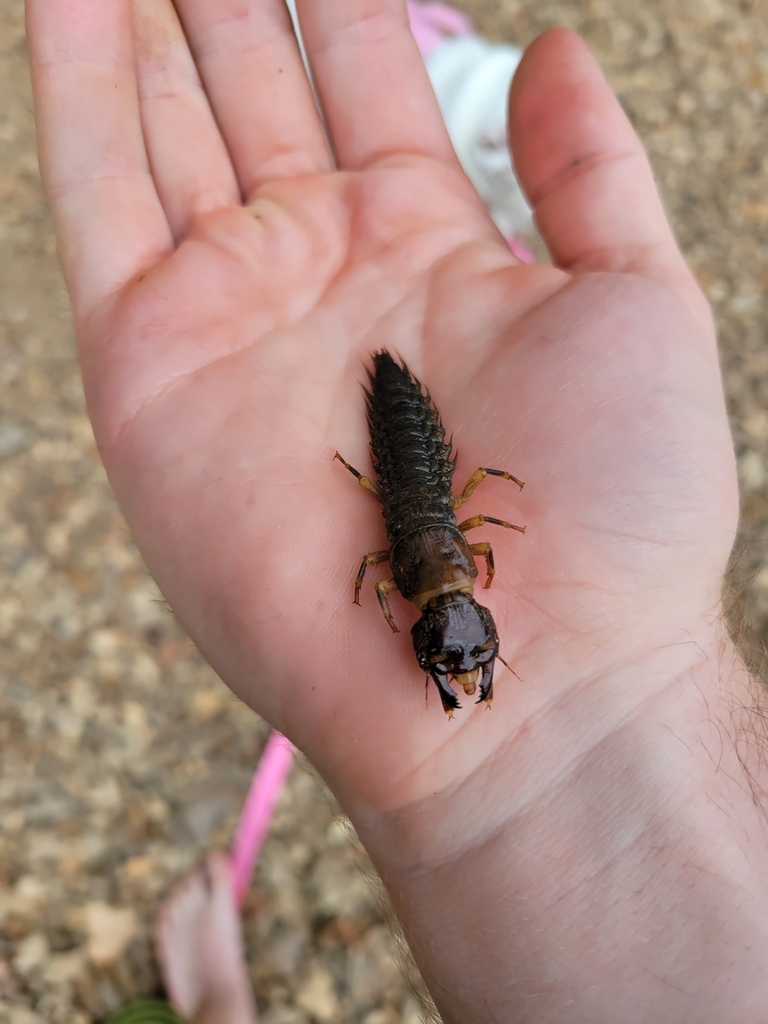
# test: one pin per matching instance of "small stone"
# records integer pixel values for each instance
(284, 889)
(139, 868)
(157, 810)
(110, 930)
(105, 796)
(372, 971)
(757, 212)
(13, 439)
(137, 731)
(317, 995)
(29, 893)
(20, 1015)
(14, 821)
(747, 302)
(286, 951)
(32, 953)
(64, 967)
(384, 1015)
(761, 580)
(283, 1015)
(82, 697)
(204, 815)
(105, 642)
(411, 1012)
(145, 670)
(299, 856)
(16, 926)
(148, 605)
(57, 540)
(11, 609)
(752, 471)
(717, 290)
(206, 704)
(339, 832)
(69, 726)
(341, 889)
(346, 930)
(756, 425)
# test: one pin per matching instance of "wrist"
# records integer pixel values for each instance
(609, 850)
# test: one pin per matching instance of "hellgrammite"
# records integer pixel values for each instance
(431, 561)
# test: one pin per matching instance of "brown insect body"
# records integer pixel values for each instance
(432, 563)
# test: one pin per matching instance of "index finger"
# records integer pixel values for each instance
(110, 222)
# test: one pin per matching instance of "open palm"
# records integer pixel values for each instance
(224, 343)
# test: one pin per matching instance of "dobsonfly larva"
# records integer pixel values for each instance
(432, 563)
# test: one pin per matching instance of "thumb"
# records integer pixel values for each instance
(586, 173)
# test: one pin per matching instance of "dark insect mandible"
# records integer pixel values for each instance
(432, 563)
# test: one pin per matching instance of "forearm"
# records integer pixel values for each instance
(617, 873)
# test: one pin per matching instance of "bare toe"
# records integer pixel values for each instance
(177, 934)
(225, 952)
(201, 948)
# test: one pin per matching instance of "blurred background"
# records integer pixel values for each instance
(122, 757)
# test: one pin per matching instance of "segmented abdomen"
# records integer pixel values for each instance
(411, 459)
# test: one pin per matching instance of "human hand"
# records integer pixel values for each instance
(222, 344)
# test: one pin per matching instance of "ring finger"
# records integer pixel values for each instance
(189, 160)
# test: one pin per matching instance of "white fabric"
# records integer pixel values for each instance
(471, 78)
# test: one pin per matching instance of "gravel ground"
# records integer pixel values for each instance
(123, 757)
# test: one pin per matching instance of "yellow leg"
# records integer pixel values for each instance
(384, 587)
(373, 559)
(365, 482)
(485, 551)
(470, 524)
(477, 477)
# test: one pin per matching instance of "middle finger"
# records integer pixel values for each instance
(249, 60)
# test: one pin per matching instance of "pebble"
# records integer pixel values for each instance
(13, 439)
(317, 995)
(110, 930)
(31, 954)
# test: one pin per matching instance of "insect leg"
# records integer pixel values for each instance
(486, 685)
(477, 477)
(485, 551)
(365, 482)
(470, 524)
(373, 559)
(384, 587)
(448, 697)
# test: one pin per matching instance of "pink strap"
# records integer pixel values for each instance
(267, 784)
(520, 249)
(432, 22)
